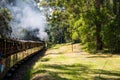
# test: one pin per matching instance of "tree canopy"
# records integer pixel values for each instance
(5, 17)
(94, 23)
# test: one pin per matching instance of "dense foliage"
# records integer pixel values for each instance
(5, 17)
(95, 23)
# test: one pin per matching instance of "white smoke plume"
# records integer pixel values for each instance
(27, 16)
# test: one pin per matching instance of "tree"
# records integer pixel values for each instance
(5, 17)
(93, 22)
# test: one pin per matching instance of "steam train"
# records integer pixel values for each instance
(14, 51)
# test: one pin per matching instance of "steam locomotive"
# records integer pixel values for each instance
(13, 51)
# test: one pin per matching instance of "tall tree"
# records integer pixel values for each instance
(93, 22)
(98, 27)
(5, 17)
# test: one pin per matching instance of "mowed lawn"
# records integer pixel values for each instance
(60, 63)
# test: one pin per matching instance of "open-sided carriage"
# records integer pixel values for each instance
(13, 51)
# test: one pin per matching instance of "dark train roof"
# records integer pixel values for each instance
(9, 40)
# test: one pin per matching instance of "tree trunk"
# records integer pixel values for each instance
(117, 27)
(99, 45)
(115, 7)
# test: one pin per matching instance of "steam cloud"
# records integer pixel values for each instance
(27, 17)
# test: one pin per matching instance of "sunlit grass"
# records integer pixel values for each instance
(76, 65)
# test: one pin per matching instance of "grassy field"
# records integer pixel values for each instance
(60, 63)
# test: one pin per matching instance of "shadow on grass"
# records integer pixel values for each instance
(106, 75)
(77, 72)
(44, 59)
(49, 77)
(100, 56)
(55, 53)
(58, 71)
(102, 78)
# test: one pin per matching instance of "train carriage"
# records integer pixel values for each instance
(13, 51)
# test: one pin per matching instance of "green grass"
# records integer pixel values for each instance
(57, 46)
(28, 75)
(76, 66)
